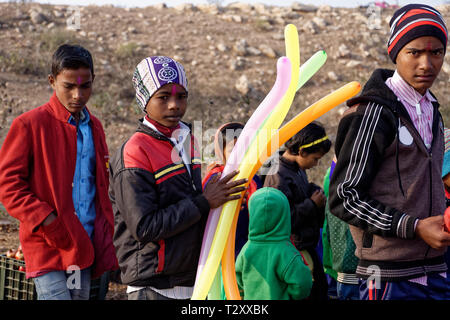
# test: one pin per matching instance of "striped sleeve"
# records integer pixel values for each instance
(361, 140)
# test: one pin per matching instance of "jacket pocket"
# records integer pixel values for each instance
(56, 235)
(367, 240)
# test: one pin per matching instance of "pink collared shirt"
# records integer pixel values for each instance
(420, 108)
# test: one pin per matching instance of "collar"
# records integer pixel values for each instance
(166, 131)
(290, 164)
(59, 111)
(406, 92)
(84, 117)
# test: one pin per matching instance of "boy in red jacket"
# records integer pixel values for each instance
(54, 180)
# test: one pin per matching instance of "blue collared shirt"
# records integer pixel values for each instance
(83, 192)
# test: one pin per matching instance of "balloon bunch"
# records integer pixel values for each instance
(260, 137)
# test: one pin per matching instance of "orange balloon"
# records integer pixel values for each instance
(228, 261)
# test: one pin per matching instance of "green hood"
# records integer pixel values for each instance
(270, 218)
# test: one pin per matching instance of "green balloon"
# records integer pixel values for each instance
(310, 67)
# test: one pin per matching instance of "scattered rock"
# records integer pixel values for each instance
(132, 29)
(310, 27)
(238, 64)
(253, 51)
(446, 67)
(353, 64)
(159, 6)
(241, 47)
(58, 14)
(185, 7)
(243, 85)
(232, 18)
(267, 51)
(344, 51)
(320, 22)
(209, 8)
(324, 10)
(38, 17)
(297, 6)
(244, 7)
(333, 76)
(222, 47)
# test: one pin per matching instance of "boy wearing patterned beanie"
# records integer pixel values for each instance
(156, 191)
(387, 181)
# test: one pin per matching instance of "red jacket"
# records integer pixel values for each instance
(37, 165)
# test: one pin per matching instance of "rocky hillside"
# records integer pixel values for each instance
(229, 53)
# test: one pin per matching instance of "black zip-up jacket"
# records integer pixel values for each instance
(159, 211)
(306, 217)
(384, 180)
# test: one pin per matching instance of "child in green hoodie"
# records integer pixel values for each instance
(269, 267)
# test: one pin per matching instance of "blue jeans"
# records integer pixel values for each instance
(347, 291)
(437, 288)
(332, 287)
(64, 285)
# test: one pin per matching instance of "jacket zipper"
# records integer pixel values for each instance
(430, 157)
(191, 178)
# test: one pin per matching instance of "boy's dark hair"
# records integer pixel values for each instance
(309, 140)
(231, 130)
(71, 57)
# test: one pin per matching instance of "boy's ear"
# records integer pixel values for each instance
(51, 81)
(93, 77)
(302, 153)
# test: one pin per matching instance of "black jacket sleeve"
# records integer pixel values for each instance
(303, 211)
(137, 200)
(362, 137)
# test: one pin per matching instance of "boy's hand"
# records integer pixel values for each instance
(431, 230)
(319, 198)
(217, 192)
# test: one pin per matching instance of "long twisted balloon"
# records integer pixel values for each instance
(204, 281)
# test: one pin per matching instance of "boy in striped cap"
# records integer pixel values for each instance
(387, 181)
(156, 189)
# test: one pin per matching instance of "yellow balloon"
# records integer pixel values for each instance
(228, 211)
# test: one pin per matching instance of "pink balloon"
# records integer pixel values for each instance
(237, 154)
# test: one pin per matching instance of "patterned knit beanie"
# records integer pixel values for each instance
(154, 72)
(413, 21)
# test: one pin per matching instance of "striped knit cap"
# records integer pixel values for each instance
(413, 21)
(154, 72)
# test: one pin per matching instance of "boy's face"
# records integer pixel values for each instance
(420, 61)
(228, 148)
(73, 88)
(168, 105)
(308, 160)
